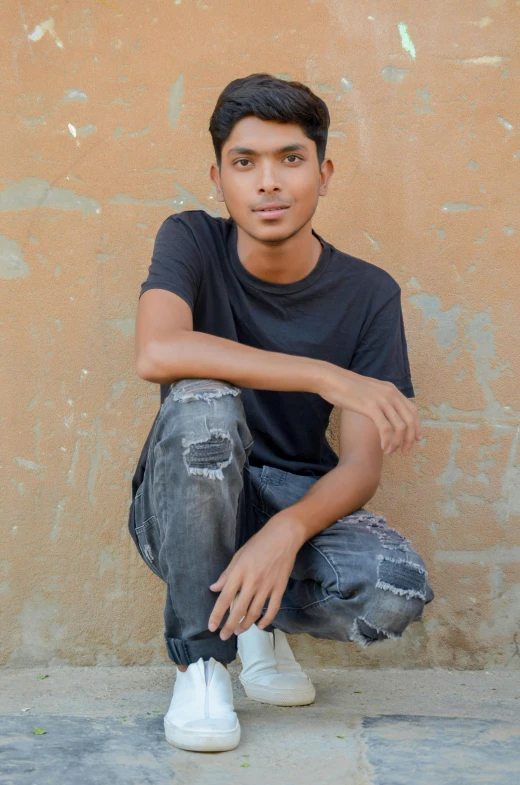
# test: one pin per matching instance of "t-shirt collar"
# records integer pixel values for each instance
(270, 286)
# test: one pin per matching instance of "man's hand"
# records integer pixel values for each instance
(396, 417)
(259, 569)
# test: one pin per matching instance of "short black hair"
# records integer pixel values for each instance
(269, 98)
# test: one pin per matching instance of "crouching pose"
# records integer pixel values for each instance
(255, 326)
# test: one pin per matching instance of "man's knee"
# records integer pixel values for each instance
(396, 600)
(210, 438)
(193, 400)
(185, 390)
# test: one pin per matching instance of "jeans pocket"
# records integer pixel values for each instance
(148, 537)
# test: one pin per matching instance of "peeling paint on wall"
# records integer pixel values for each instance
(12, 262)
(34, 192)
(175, 102)
(392, 74)
(406, 41)
(45, 27)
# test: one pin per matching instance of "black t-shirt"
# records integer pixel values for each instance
(345, 311)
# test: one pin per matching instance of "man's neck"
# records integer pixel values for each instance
(284, 263)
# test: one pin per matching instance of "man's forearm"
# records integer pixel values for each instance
(202, 355)
(344, 489)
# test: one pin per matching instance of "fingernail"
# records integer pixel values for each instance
(238, 631)
(212, 627)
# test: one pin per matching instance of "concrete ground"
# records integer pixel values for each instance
(366, 727)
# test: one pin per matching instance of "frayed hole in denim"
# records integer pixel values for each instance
(180, 393)
(207, 457)
(401, 577)
(365, 633)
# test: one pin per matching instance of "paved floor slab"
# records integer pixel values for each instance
(366, 727)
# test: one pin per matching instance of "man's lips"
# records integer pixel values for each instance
(272, 211)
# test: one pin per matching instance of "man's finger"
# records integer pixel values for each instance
(255, 610)
(238, 612)
(222, 604)
(398, 428)
(383, 426)
(272, 609)
(411, 427)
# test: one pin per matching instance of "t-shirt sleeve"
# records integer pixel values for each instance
(381, 351)
(176, 261)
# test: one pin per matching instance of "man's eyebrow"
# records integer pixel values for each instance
(247, 151)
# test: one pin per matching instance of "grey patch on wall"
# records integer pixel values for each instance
(392, 74)
(483, 60)
(12, 263)
(174, 103)
(507, 125)
(31, 465)
(424, 96)
(86, 130)
(125, 326)
(447, 329)
(142, 132)
(74, 95)
(36, 192)
(176, 203)
(346, 84)
(460, 207)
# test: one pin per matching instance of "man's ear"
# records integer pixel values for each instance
(326, 172)
(214, 174)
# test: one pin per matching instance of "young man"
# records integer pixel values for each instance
(255, 327)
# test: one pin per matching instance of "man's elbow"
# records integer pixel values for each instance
(143, 370)
(147, 362)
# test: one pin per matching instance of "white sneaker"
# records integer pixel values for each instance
(201, 716)
(270, 673)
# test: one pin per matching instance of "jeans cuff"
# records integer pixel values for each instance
(185, 652)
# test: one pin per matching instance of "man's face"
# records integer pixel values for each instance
(255, 170)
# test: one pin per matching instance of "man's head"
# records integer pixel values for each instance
(254, 119)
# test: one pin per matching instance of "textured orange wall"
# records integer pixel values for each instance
(105, 109)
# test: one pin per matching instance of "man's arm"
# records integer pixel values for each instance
(261, 568)
(344, 489)
(167, 349)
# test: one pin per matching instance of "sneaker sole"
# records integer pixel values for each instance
(202, 742)
(278, 697)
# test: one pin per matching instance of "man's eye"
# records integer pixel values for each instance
(247, 161)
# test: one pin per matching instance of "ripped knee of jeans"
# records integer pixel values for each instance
(365, 633)
(398, 600)
(207, 457)
(202, 389)
(389, 538)
(401, 577)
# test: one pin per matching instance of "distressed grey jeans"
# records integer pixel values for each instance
(200, 500)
